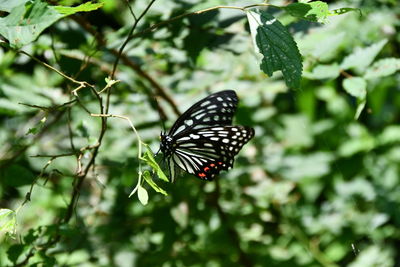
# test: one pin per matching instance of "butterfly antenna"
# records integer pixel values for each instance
(161, 113)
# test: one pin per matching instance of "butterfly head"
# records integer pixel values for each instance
(165, 144)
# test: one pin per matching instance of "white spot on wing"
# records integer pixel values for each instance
(205, 103)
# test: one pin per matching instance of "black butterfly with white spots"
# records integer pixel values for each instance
(203, 140)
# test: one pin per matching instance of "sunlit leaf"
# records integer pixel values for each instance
(149, 180)
(321, 72)
(7, 222)
(8, 5)
(390, 134)
(361, 58)
(143, 195)
(357, 87)
(354, 146)
(383, 68)
(27, 21)
(312, 11)
(149, 159)
(86, 7)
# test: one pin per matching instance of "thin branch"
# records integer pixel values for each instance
(121, 49)
(130, 123)
(51, 108)
(166, 22)
(81, 84)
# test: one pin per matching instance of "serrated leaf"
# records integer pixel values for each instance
(357, 87)
(7, 222)
(360, 59)
(28, 20)
(149, 159)
(147, 178)
(8, 5)
(278, 48)
(321, 72)
(142, 195)
(86, 7)
(316, 11)
(382, 68)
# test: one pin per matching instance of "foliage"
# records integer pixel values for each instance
(85, 88)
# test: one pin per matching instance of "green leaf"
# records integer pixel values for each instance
(28, 20)
(16, 175)
(142, 195)
(9, 107)
(14, 252)
(7, 222)
(149, 159)
(382, 68)
(147, 178)
(321, 72)
(8, 5)
(86, 7)
(278, 48)
(360, 59)
(354, 146)
(344, 10)
(316, 11)
(357, 87)
(390, 135)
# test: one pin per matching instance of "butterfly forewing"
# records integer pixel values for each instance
(214, 110)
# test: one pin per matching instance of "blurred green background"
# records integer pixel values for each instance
(315, 187)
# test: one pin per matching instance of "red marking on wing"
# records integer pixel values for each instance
(206, 169)
(220, 163)
(212, 165)
(202, 175)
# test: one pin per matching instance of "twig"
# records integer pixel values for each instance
(130, 123)
(82, 84)
(166, 22)
(51, 108)
(136, 21)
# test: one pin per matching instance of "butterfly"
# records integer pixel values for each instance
(203, 141)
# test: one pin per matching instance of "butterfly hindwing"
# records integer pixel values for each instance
(207, 151)
(216, 109)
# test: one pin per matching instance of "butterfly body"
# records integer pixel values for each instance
(203, 141)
